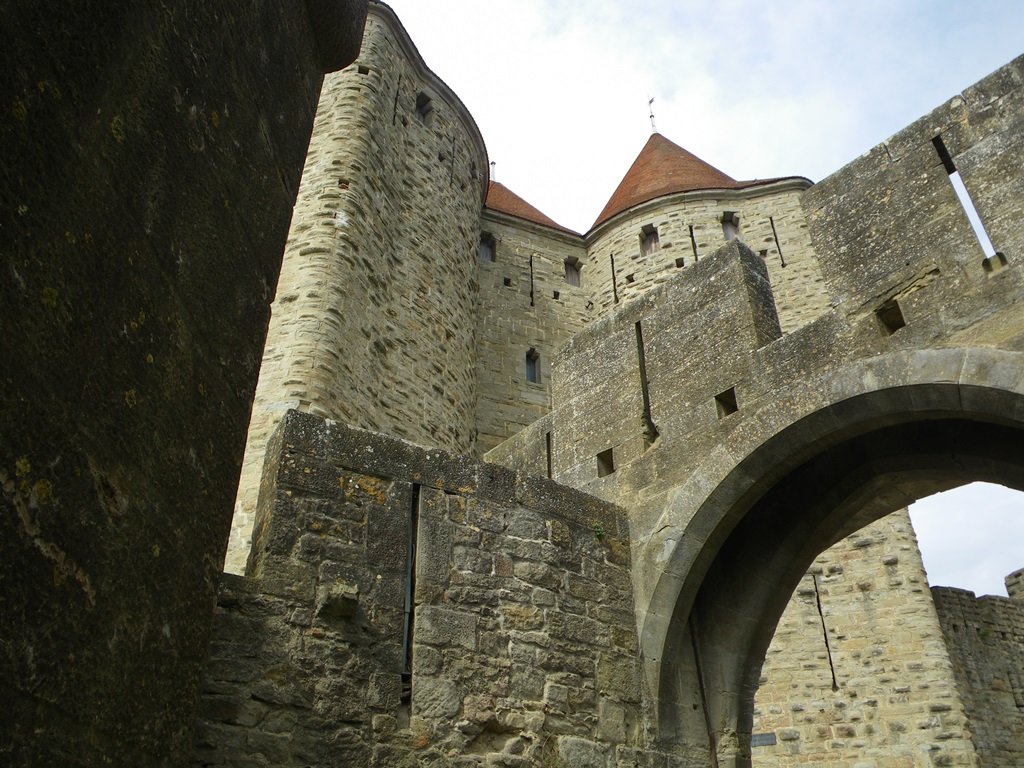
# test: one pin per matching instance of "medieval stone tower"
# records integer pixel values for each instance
(651, 398)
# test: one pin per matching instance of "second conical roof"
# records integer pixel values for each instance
(663, 168)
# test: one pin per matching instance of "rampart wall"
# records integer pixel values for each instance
(986, 637)
(405, 606)
(374, 319)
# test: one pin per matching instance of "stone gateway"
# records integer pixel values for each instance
(511, 495)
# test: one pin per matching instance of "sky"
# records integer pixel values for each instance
(560, 90)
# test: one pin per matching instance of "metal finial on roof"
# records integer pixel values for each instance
(493, 172)
(650, 106)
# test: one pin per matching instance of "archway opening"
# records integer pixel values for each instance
(775, 515)
(864, 641)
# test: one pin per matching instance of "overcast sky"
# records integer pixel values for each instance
(560, 89)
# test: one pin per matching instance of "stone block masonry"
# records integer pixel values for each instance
(689, 228)
(525, 303)
(405, 606)
(858, 672)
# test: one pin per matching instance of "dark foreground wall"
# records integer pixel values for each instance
(150, 158)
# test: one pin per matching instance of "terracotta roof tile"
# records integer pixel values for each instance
(501, 198)
(663, 168)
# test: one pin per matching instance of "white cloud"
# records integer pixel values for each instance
(971, 537)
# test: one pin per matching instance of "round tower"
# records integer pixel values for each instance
(373, 322)
(671, 209)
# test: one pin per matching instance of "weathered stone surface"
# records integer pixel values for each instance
(510, 636)
(152, 155)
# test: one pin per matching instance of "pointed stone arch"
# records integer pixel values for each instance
(845, 448)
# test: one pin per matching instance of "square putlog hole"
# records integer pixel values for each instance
(726, 402)
(605, 463)
(890, 316)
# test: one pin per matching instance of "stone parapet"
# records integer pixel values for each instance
(405, 605)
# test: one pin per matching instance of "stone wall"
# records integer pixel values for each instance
(373, 322)
(986, 638)
(771, 224)
(151, 156)
(858, 672)
(525, 303)
(520, 647)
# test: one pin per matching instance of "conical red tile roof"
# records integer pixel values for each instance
(663, 168)
(501, 198)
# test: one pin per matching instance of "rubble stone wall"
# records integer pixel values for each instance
(986, 637)
(520, 647)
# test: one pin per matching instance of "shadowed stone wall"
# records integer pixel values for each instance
(986, 636)
(151, 155)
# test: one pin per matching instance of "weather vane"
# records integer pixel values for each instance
(650, 106)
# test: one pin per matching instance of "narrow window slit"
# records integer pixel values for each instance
(605, 463)
(394, 108)
(533, 366)
(615, 287)
(572, 271)
(730, 225)
(693, 244)
(964, 198)
(531, 279)
(649, 427)
(424, 107)
(649, 240)
(726, 402)
(778, 247)
(410, 594)
(488, 247)
(547, 450)
(824, 632)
